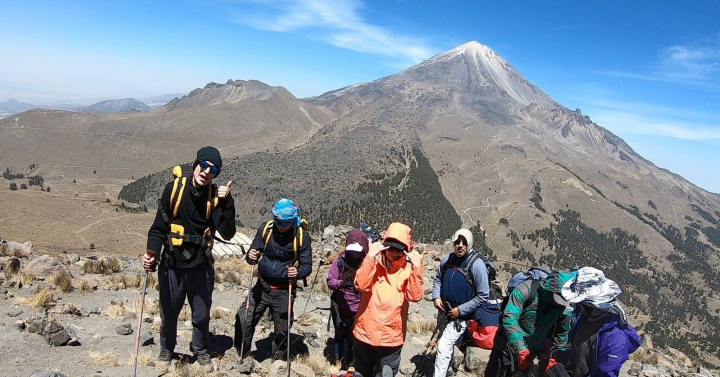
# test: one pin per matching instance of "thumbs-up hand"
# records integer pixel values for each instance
(224, 191)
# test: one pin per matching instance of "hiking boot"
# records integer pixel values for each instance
(163, 364)
(165, 356)
(205, 362)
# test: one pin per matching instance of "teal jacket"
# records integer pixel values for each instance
(530, 321)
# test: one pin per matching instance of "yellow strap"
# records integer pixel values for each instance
(177, 199)
(268, 225)
(208, 209)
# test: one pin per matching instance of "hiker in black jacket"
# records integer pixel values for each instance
(191, 210)
(282, 251)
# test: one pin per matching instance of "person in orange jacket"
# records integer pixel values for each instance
(387, 283)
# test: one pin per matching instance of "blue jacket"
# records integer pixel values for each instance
(612, 347)
(480, 279)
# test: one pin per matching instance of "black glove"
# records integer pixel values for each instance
(348, 284)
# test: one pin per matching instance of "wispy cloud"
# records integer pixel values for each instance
(696, 64)
(650, 119)
(337, 22)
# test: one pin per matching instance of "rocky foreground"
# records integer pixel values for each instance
(71, 315)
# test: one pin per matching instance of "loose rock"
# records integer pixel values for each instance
(124, 329)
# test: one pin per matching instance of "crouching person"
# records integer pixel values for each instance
(387, 282)
(190, 210)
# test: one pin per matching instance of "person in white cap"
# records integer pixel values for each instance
(460, 287)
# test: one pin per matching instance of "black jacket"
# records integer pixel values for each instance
(192, 216)
(279, 255)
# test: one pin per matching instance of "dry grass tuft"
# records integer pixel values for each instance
(102, 266)
(316, 361)
(420, 325)
(40, 299)
(306, 319)
(152, 307)
(188, 370)
(84, 287)
(219, 312)
(26, 277)
(232, 270)
(145, 358)
(105, 358)
(12, 268)
(63, 280)
(115, 310)
(645, 356)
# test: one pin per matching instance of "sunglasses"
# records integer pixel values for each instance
(284, 223)
(395, 250)
(214, 170)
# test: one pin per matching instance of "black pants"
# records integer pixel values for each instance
(343, 340)
(262, 298)
(369, 360)
(502, 360)
(195, 283)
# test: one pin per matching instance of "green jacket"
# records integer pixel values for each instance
(529, 321)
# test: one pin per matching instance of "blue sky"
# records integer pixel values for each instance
(647, 70)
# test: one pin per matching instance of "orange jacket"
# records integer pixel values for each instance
(382, 315)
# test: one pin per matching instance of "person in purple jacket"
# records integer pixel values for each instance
(345, 299)
(602, 339)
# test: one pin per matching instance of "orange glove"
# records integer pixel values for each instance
(551, 363)
(524, 359)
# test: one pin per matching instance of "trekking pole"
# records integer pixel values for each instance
(140, 319)
(322, 263)
(288, 328)
(247, 313)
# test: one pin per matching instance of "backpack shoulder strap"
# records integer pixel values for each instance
(467, 270)
(177, 194)
(212, 201)
(533, 292)
(267, 232)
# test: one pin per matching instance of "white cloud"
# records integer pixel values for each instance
(695, 64)
(650, 119)
(339, 23)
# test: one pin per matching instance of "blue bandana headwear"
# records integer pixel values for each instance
(286, 210)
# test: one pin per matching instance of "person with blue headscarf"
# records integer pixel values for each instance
(282, 251)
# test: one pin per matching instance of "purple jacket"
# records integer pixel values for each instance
(613, 346)
(344, 293)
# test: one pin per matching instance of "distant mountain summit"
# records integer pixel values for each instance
(232, 92)
(117, 106)
(13, 106)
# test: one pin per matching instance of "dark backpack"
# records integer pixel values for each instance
(536, 274)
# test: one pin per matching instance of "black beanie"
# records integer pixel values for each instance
(210, 154)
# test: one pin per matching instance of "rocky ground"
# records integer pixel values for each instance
(78, 316)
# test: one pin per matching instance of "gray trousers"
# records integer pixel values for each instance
(195, 283)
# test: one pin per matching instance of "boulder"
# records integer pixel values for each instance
(44, 266)
(55, 334)
(18, 249)
(649, 371)
(147, 339)
(246, 367)
(704, 372)
(279, 368)
(124, 329)
(328, 233)
(635, 369)
(476, 359)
